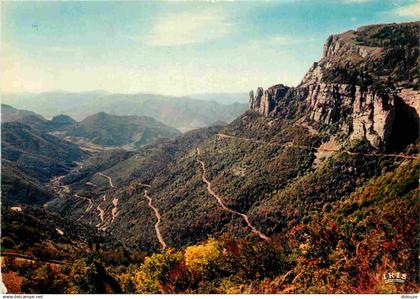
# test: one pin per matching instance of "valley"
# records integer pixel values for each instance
(313, 189)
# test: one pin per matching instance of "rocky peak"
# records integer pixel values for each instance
(265, 101)
(366, 85)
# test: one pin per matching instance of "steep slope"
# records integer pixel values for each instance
(131, 173)
(11, 114)
(313, 190)
(17, 186)
(36, 121)
(36, 241)
(30, 158)
(112, 130)
(364, 86)
(258, 164)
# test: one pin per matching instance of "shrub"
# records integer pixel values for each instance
(198, 257)
(155, 274)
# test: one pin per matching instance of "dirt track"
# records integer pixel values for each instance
(109, 179)
(158, 234)
(288, 145)
(222, 204)
(86, 198)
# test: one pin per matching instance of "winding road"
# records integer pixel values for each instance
(158, 234)
(103, 220)
(109, 179)
(114, 211)
(144, 185)
(222, 204)
(86, 198)
(101, 215)
(225, 136)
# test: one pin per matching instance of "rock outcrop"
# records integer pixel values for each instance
(265, 101)
(366, 85)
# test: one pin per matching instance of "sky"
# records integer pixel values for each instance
(175, 48)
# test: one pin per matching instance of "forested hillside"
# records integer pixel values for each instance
(313, 190)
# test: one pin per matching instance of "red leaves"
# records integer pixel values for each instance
(333, 226)
(13, 282)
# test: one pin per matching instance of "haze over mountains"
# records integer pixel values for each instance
(313, 189)
(100, 129)
(223, 98)
(182, 113)
(112, 130)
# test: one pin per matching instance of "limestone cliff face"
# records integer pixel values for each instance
(265, 101)
(366, 85)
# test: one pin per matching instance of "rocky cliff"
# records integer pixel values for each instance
(366, 85)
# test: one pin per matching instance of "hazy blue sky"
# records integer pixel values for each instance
(175, 48)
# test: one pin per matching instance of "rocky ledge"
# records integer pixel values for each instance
(366, 85)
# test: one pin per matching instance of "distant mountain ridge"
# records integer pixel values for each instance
(314, 189)
(36, 121)
(30, 158)
(222, 98)
(180, 112)
(113, 130)
(101, 129)
(34, 149)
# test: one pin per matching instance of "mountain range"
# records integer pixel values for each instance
(313, 189)
(34, 150)
(182, 113)
(222, 98)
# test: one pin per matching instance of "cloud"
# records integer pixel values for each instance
(188, 28)
(411, 10)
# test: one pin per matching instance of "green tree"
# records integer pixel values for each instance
(87, 277)
(44, 280)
